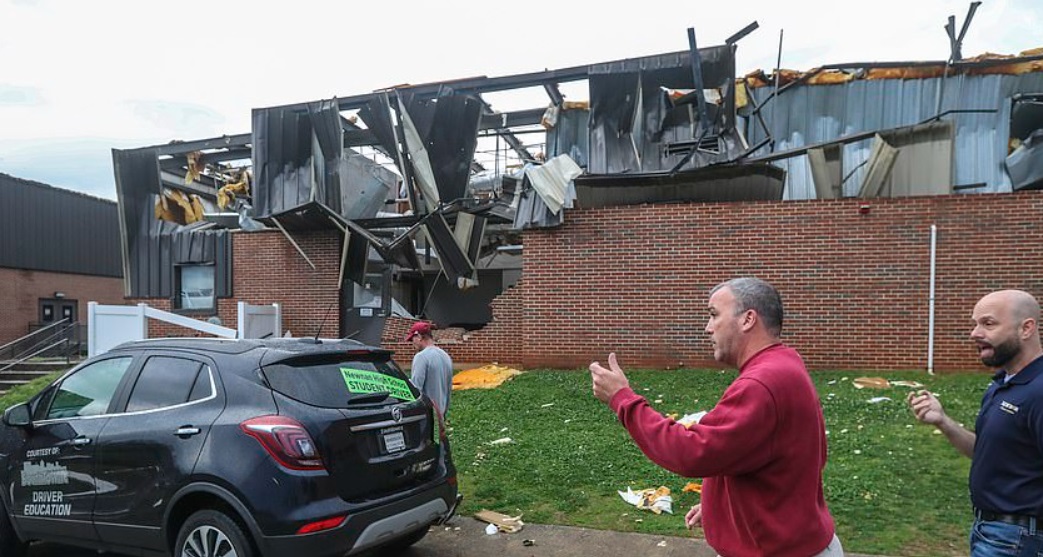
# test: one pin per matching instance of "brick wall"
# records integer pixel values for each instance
(855, 286)
(21, 290)
(267, 269)
(499, 341)
(635, 280)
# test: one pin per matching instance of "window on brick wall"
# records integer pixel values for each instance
(194, 288)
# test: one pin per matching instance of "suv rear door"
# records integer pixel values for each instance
(374, 433)
(52, 478)
(147, 451)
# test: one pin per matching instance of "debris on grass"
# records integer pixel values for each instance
(878, 399)
(656, 500)
(485, 377)
(871, 382)
(501, 441)
(692, 487)
(500, 521)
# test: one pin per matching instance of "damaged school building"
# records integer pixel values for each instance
(882, 199)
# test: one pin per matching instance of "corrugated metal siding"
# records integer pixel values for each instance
(153, 246)
(45, 228)
(156, 251)
(805, 115)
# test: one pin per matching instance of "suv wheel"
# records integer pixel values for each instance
(211, 534)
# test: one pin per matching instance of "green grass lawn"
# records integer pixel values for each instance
(894, 486)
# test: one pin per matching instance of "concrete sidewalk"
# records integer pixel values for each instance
(466, 537)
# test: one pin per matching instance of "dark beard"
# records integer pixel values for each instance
(1003, 353)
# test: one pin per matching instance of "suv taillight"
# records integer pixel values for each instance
(286, 441)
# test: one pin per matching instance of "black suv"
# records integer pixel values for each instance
(208, 447)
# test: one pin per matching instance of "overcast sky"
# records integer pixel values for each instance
(78, 78)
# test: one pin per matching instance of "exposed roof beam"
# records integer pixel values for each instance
(183, 147)
(177, 182)
(556, 98)
(208, 158)
(476, 84)
(509, 137)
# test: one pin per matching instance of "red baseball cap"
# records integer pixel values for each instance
(418, 328)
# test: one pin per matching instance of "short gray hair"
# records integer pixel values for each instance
(754, 293)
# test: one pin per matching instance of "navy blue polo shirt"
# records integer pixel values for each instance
(1007, 469)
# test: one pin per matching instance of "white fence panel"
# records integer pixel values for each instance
(259, 321)
(110, 326)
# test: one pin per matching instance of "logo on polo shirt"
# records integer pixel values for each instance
(1008, 408)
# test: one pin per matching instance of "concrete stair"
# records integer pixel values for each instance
(25, 372)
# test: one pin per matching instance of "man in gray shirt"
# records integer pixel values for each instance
(432, 370)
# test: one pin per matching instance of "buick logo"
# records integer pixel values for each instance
(396, 414)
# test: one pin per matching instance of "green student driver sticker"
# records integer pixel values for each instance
(364, 382)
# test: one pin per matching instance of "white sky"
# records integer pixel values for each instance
(78, 78)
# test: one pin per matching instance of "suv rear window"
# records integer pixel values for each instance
(335, 383)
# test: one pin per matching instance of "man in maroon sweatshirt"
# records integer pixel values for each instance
(761, 450)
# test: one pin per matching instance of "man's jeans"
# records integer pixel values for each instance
(999, 539)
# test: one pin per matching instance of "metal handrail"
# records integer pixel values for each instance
(29, 356)
(11, 345)
(62, 339)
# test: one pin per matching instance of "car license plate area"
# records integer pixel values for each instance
(394, 439)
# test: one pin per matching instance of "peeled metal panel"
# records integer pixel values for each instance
(635, 128)
(453, 259)
(423, 173)
(282, 151)
(376, 113)
(477, 233)
(611, 112)
(570, 136)
(366, 186)
(924, 164)
(447, 129)
(452, 141)
(327, 153)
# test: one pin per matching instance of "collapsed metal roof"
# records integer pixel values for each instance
(668, 116)
(398, 168)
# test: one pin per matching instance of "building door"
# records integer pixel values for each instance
(53, 310)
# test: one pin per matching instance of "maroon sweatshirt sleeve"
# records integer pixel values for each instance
(734, 438)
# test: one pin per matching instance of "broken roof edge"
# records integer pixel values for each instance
(1027, 61)
(483, 84)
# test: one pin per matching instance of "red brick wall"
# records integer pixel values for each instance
(268, 269)
(21, 290)
(855, 287)
(635, 280)
(499, 341)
